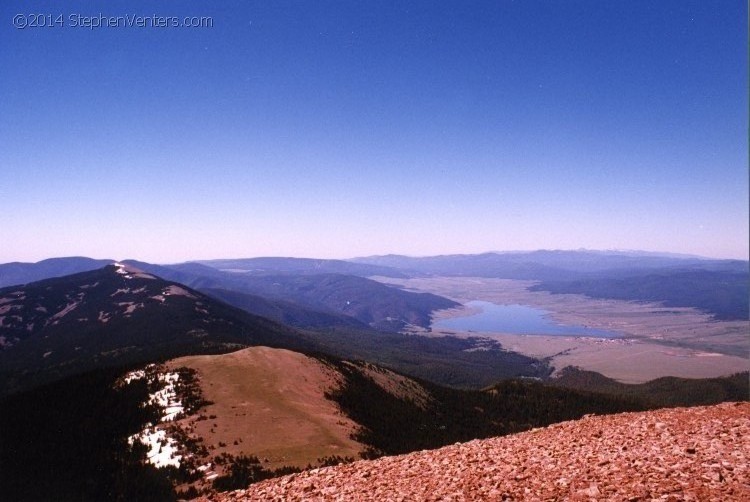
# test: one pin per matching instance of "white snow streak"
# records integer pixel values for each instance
(162, 449)
(68, 308)
(177, 291)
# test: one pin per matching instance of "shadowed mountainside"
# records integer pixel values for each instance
(113, 316)
(277, 398)
(285, 312)
(257, 408)
(370, 302)
(666, 391)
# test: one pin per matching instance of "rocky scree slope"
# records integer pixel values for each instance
(673, 454)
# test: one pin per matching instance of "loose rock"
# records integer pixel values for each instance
(563, 462)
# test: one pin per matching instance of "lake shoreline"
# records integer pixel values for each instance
(518, 319)
(657, 341)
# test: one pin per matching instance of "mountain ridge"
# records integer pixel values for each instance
(19, 273)
(275, 265)
(113, 316)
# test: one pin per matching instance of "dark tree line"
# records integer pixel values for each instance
(392, 425)
(68, 441)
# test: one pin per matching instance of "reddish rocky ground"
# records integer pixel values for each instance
(697, 453)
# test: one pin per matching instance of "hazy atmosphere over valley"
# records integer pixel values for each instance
(389, 250)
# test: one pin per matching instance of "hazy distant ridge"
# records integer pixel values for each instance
(718, 287)
(275, 265)
(547, 265)
(23, 273)
(302, 291)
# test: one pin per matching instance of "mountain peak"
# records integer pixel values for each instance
(129, 271)
(112, 316)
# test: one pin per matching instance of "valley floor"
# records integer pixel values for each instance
(629, 361)
(657, 341)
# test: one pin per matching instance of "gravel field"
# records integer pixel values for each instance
(674, 454)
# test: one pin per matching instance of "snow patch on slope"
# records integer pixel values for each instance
(177, 291)
(162, 449)
(129, 272)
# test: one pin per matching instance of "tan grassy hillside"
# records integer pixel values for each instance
(269, 403)
(675, 454)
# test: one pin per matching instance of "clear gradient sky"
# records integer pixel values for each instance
(340, 129)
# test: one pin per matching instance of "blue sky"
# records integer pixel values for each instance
(341, 129)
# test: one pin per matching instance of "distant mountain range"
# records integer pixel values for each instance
(303, 299)
(23, 273)
(723, 293)
(276, 265)
(718, 287)
(548, 265)
(316, 293)
(533, 265)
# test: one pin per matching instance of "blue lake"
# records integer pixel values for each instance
(516, 319)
